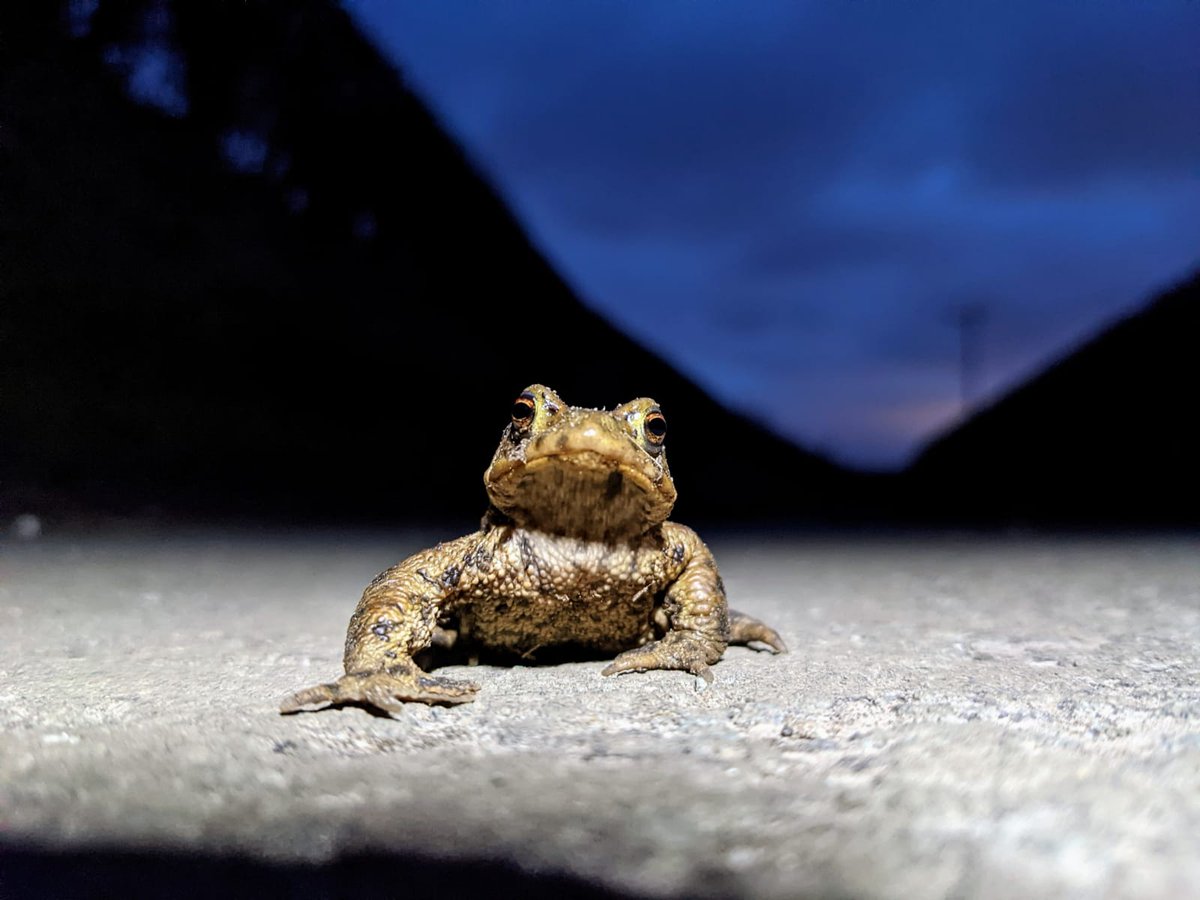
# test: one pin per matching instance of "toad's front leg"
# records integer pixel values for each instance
(396, 619)
(696, 612)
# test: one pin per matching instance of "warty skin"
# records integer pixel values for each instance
(575, 550)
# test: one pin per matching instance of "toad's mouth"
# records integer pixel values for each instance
(587, 467)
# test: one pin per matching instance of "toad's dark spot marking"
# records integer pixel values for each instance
(381, 628)
(612, 487)
(677, 553)
(450, 576)
(422, 573)
(479, 558)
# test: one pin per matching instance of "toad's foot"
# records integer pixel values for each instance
(665, 654)
(744, 629)
(386, 691)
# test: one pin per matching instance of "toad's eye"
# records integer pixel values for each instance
(522, 411)
(656, 427)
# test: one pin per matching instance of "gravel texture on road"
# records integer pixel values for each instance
(960, 716)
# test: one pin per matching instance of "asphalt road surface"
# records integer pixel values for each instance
(959, 717)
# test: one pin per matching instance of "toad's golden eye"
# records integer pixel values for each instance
(656, 427)
(522, 411)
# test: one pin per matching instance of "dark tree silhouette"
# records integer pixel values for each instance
(288, 293)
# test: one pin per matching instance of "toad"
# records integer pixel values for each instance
(574, 551)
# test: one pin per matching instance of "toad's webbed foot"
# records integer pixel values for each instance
(387, 691)
(744, 629)
(686, 655)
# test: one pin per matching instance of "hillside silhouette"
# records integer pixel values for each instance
(1104, 436)
(279, 290)
(283, 291)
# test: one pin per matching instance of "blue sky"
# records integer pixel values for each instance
(790, 201)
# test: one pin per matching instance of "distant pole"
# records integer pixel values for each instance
(970, 319)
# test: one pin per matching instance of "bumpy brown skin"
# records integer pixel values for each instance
(575, 550)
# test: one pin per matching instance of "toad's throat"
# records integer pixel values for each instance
(580, 493)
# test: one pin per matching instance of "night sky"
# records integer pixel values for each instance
(793, 202)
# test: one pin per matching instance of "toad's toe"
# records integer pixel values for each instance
(385, 691)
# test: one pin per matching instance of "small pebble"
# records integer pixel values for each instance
(27, 527)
